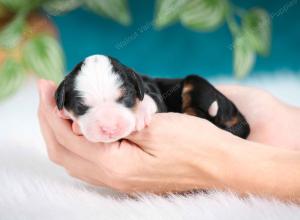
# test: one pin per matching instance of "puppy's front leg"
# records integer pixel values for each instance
(144, 111)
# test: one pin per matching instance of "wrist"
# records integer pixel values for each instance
(255, 168)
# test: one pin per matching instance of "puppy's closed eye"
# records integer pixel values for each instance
(80, 109)
(127, 100)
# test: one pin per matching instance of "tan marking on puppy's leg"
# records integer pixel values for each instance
(190, 111)
(185, 95)
(186, 100)
(232, 122)
(187, 88)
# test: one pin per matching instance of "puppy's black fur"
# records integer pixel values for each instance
(136, 85)
(67, 97)
(192, 95)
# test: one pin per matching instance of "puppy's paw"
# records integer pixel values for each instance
(144, 112)
(143, 119)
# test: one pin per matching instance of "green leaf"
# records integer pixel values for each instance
(114, 9)
(13, 5)
(16, 5)
(43, 55)
(257, 26)
(11, 77)
(11, 35)
(3, 11)
(244, 56)
(57, 7)
(168, 11)
(204, 15)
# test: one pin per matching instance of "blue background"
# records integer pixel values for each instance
(175, 50)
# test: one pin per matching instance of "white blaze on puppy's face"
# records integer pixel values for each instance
(100, 87)
(97, 82)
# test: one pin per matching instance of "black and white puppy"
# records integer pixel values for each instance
(109, 100)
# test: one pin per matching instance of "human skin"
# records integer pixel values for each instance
(179, 153)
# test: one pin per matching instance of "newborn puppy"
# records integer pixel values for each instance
(109, 101)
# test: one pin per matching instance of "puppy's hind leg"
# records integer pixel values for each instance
(201, 99)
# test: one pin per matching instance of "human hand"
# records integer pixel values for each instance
(271, 121)
(175, 153)
(159, 166)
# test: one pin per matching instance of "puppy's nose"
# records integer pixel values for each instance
(109, 130)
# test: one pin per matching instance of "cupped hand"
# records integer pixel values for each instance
(175, 153)
(272, 122)
(163, 163)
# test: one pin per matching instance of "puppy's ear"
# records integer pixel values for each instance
(60, 95)
(132, 75)
(138, 83)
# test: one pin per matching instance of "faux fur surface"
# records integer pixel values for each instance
(31, 187)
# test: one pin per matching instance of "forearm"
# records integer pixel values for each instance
(289, 128)
(248, 167)
(263, 170)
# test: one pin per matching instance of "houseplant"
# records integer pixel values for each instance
(29, 45)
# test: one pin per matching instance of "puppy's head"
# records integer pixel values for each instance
(100, 95)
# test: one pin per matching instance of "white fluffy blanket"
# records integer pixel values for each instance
(31, 187)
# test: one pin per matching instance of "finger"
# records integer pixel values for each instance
(63, 131)
(53, 148)
(46, 92)
(75, 166)
(85, 170)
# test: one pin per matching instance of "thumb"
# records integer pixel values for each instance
(134, 136)
(140, 138)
